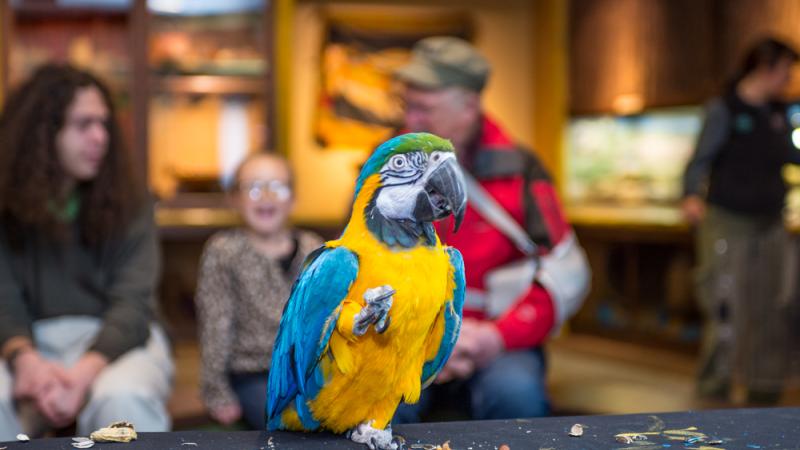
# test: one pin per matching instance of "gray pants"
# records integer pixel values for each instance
(746, 285)
(135, 387)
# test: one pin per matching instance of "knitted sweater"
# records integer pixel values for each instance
(240, 297)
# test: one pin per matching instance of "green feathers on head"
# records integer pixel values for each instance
(404, 143)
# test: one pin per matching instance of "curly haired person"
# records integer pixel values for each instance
(79, 264)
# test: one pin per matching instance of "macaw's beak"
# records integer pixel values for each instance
(445, 194)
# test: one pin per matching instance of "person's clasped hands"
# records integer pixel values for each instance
(57, 392)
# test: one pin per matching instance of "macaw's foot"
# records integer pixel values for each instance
(376, 311)
(374, 438)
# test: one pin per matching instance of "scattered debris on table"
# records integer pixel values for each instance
(683, 434)
(630, 438)
(82, 442)
(445, 446)
(193, 444)
(116, 432)
(690, 436)
(576, 430)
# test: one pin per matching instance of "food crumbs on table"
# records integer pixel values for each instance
(116, 432)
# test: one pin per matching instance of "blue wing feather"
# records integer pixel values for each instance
(452, 318)
(308, 321)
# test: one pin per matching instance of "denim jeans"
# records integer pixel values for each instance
(512, 386)
(251, 389)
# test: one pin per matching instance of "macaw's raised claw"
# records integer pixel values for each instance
(376, 311)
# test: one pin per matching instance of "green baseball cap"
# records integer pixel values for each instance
(443, 61)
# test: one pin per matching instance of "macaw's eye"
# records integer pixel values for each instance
(436, 156)
(397, 162)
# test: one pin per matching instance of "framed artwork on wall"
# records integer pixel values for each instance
(359, 103)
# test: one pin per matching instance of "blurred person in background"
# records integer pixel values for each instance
(245, 278)
(735, 192)
(79, 265)
(497, 362)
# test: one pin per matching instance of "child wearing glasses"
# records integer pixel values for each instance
(245, 277)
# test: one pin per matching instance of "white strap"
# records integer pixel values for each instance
(497, 216)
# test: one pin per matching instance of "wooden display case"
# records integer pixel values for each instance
(99, 38)
(209, 98)
(193, 88)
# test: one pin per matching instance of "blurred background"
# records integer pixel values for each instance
(608, 92)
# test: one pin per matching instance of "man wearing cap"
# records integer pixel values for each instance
(497, 360)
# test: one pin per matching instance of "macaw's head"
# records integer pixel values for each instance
(418, 181)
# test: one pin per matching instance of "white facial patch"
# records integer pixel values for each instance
(397, 202)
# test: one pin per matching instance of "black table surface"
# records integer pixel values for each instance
(772, 428)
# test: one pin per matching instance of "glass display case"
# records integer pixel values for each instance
(639, 160)
(630, 160)
(191, 79)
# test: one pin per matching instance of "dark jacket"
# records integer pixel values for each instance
(43, 277)
(740, 154)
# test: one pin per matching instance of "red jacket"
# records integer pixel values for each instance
(519, 183)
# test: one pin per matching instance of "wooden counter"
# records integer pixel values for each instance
(665, 218)
(638, 219)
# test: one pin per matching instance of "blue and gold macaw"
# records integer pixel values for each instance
(374, 315)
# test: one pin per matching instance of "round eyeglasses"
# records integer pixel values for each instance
(273, 189)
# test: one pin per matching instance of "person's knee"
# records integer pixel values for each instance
(145, 408)
(513, 397)
(513, 387)
(122, 384)
(124, 399)
(524, 399)
(123, 394)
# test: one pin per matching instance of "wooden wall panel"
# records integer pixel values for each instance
(678, 42)
(744, 21)
(653, 51)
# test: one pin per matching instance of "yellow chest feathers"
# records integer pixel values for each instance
(419, 276)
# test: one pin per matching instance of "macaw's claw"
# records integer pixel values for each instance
(383, 324)
(399, 441)
(376, 311)
(374, 438)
